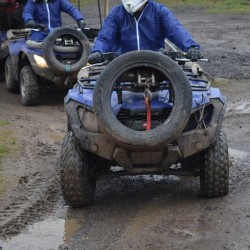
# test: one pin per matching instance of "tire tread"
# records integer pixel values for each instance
(214, 179)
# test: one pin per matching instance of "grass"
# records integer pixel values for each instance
(212, 6)
(4, 123)
(2, 182)
(7, 139)
(7, 145)
(220, 82)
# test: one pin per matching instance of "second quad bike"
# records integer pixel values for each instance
(32, 65)
(148, 113)
(10, 17)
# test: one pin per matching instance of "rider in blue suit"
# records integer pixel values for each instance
(141, 25)
(47, 13)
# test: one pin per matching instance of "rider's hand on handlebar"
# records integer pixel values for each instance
(31, 24)
(81, 24)
(96, 57)
(194, 54)
(41, 26)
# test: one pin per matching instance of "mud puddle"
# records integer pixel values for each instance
(238, 154)
(50, 233)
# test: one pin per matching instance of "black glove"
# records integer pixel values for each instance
(81, 24)
(95, 57)
(31, 24)
(41, 26)
(194, 54)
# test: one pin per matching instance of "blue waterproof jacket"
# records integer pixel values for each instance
(48, 14)
(121, 31)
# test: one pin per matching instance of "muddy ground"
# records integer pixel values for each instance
(143, 212)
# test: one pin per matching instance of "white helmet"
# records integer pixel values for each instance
(132, 6)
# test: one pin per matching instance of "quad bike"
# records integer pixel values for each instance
(32, 65)
(10, 17)
(148, 113)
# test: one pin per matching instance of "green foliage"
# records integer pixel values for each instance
(213, 6)
(81, 3)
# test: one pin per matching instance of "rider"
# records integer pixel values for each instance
(47, 14)
(141, 25)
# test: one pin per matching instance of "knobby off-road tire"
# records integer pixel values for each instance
(214, 177)
(29, 86)
(168, 130)
(49, 53)
(78, 186)
(11, 84)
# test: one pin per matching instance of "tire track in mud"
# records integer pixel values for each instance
(31, 173)
(18, 216)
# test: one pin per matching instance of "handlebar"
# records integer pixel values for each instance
(107, 58)
(178, 56)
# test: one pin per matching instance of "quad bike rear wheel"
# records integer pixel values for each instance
(77, 183)
(214, 169)
(29, 86)
(11, 84)
(169, 129)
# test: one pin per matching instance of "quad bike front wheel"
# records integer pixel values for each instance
(77, 183)
(29, 86)
(214, 169)
(11, 84)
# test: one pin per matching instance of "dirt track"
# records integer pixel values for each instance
(137, 213)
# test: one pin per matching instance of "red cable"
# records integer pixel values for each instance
(148, 107)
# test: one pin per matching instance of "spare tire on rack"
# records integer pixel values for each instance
(49, 50)
(171, 128)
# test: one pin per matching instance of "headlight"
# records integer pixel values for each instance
(40, 61)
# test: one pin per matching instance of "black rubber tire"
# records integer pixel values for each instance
(78, 188)
(2, 74)
(166, 132)
(2, 66)
(11, 84)
(29, 86)
(49, 54)
(68, 49)
(214, 169)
